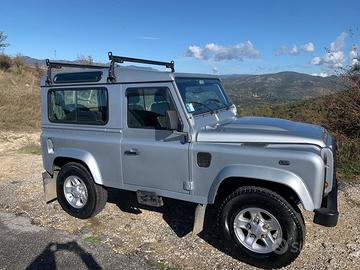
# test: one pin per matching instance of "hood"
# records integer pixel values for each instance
(264, 130)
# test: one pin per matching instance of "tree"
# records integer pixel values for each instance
(81, 59)
(344, 108)
(3, 43)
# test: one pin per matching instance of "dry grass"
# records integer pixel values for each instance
(31, 148)
(19, 99)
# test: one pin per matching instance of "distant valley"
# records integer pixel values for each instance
(279, 88)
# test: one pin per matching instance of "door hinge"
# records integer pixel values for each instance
(188, 185)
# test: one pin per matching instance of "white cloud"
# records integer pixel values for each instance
(353, 55)
(215, 70)
(355, 62)
(195, 51)
(335, 57)
(148, 38)
(308, 47)
(315, 61)
(295, 49)
(321, 74)
(217, 52)
(339, 42)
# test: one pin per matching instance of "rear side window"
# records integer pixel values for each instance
(78, 106)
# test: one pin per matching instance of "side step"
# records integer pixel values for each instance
(149, 198)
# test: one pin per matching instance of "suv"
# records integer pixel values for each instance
(176, 135)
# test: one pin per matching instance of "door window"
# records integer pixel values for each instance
(146, 107)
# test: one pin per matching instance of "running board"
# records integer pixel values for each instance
(149, 198)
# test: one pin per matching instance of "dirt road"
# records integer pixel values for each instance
(161, 237)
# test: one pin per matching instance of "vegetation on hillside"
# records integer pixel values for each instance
(338, 113)
(19, 94)
(279, 88)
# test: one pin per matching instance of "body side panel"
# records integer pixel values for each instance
(98, 146)
(304, 174)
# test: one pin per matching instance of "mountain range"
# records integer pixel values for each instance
(274, 88)
(279, 87)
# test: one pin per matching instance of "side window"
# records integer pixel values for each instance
(146, 107)
(81, 106)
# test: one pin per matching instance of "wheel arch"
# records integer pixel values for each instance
(285, 183)
(66, 155)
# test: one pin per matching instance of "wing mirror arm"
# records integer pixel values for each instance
(173, 123)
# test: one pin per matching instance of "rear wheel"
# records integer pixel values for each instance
(77, 192)
(265, 230)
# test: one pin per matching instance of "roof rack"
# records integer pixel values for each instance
(58, 65)
(121, 59)
(113, 59)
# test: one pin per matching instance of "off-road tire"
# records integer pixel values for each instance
(97, 195)
(290, 220)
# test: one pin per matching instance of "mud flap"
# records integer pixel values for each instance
(49, 183)
(199, 219)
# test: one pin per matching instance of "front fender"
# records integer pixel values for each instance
(264, 173)
(78, 154)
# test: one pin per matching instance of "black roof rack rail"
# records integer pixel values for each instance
(52, 64)
(121, 59)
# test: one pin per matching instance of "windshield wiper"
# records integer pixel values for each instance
(227, 106)
(202, 104)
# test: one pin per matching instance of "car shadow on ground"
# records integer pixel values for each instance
(179, 215)
(47, 259)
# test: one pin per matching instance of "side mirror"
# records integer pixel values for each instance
(172, 120)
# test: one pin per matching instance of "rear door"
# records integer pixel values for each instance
(153, 158)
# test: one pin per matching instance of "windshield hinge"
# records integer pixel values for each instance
(188, 185)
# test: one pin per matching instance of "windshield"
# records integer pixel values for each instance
(202, 95)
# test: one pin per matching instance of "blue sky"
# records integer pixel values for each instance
(202, 36)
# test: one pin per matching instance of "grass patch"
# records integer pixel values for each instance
(33, 149)
(92, 239)
(163, 266)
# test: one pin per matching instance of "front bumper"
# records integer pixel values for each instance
(328, 214)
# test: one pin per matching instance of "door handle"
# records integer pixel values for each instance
(131, 152)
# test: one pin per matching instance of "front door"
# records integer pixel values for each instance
(154, 159)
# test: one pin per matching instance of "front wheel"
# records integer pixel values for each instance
(77, 192)
(265, 230)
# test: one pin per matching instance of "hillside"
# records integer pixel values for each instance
(279, 87)
(320, 111)
(20, 98)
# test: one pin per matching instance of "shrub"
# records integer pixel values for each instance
(344, 110)
(5, 62)
(19, 63)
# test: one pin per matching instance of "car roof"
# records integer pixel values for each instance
(131, 75)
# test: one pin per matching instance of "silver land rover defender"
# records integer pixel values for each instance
(176, 135)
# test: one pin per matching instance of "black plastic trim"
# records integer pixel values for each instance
(204, 159)
(122, 59)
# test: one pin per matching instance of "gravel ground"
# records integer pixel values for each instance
(26, 245)
(162, 236)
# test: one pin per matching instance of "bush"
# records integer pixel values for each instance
(344, 109)
(5, 62)
(19, 63)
